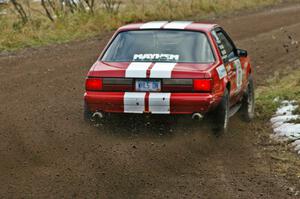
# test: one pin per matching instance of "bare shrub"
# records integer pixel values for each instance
(20, 10)
(111, 6)
(90, 4)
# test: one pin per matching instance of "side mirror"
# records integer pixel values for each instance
(242, 53)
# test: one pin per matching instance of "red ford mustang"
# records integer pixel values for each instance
(177, 67)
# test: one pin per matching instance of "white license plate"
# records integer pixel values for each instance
(147, 85)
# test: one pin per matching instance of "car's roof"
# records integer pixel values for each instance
(174, 25)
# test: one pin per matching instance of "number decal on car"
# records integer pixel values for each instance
(239, 74)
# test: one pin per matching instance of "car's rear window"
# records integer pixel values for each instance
(160, 46)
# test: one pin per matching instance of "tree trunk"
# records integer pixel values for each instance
(47, 10)
(90, 4)
(19, 8)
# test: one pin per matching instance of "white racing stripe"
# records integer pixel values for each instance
(159, 103)
(162, 70)
(137, 69)
(134, 102)
(153, 25)
(177, 25)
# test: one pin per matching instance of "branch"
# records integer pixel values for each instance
(47, 10)
(19, 8)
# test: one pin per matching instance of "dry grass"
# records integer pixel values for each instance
(40, 31)
(282, 88)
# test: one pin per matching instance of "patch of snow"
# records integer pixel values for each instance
(289, 130)
(297, 148)
(286, 108)
(297, 142)
(283, 128)
(277, 121)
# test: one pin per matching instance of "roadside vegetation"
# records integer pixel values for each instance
(284, 160)
(28, 23)
(279, 88)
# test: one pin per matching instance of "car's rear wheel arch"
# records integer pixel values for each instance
(220, 116)
(248, 102)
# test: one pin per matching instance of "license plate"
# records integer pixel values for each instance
(147, 85)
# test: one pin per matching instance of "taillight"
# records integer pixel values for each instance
(204, 85)
(93, 84)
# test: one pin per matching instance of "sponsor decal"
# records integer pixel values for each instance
(221, 71)
(134, 102)
(137, 69)
(214, 34)
(154, 25)
(156, 57)
(224, 57)
(223, 52)
(239, 74)
(177, 25)
(162, 70)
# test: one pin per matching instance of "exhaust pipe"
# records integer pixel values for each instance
(197, 116)
(98, 115)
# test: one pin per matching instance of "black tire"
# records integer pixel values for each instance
(87, 114)
(248, 102)
(221, 115)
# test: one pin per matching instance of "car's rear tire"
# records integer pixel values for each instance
(221, 115)
(248, 102)
(87, 114)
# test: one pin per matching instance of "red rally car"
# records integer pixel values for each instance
(178, 67)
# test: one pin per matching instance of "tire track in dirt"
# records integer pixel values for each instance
(47, 149)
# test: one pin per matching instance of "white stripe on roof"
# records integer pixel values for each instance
(178, 24)
(153, 25)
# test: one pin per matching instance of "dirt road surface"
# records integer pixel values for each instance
(47, 151)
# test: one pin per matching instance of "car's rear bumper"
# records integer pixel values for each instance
(155, 103)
